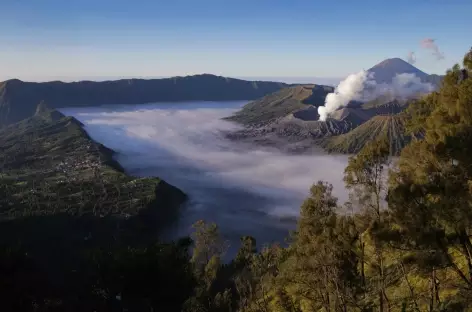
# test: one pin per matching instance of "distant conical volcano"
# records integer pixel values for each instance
(386, 70)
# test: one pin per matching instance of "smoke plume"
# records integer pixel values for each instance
(411, 57)
(349, 89)
(429, 44)
(363, 87)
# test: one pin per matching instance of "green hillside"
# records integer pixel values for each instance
(50, 165)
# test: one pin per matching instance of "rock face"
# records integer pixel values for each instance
(19, 100)
(51, 166)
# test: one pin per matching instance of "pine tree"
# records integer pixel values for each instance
(365, 175)
(430, 195)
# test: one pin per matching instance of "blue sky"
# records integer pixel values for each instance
(71, 40)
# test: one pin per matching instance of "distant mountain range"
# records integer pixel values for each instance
(18, 99)
(288, 118)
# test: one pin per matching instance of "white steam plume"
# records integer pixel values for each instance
(349, 89)
(411, 57)
(429, 44)
(363, 87)
(407, 85)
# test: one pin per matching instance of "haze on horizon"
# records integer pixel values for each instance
(77, 40)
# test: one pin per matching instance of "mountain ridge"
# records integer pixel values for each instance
(19, 99)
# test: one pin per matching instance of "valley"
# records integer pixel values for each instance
(245, 188)
(209, 205)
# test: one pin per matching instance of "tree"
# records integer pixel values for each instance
(321, 270)
(208, 244)
(365, 176)
(246, 251)
(430, 192)
(467, 62)
(151, 278)
(209, 248)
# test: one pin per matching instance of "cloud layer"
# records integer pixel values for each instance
(245, 189)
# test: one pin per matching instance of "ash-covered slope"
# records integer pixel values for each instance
(389, 126)
(51, 166)
(18, 99)
(287, 119)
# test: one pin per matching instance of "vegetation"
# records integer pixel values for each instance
(402, 242)
(67, 209)
(50, 165)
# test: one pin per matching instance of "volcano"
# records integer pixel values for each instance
(386, 70)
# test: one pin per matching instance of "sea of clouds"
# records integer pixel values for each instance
(247, 189)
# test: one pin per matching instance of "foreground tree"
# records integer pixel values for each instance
(365, 176)
(430, 195)
(321, 271)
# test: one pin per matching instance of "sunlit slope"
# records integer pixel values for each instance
(390, 126)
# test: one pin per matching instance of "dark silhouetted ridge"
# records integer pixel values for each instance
(19, 100)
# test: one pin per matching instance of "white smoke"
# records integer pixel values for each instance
(406, 85)
(430, 44)
(349, 89)
(363, 87)
(411, 57)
